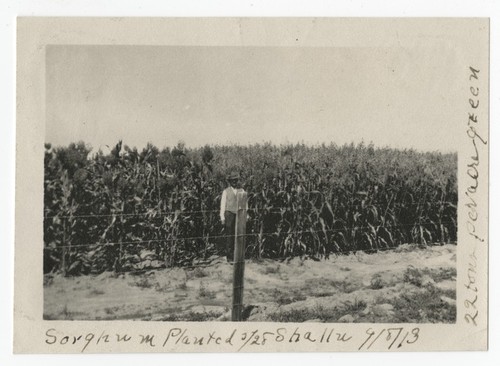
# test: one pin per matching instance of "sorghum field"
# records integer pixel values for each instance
(131, 209)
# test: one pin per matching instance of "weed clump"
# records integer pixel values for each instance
(423, 306)
(376, 282)
(204, 293)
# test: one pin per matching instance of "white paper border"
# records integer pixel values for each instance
(228, 8)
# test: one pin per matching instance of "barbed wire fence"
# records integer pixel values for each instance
(66, 245)
(173, 212)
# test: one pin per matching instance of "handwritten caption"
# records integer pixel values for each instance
(474, 177)
(237, 340)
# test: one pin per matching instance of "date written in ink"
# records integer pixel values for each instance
(391, 338)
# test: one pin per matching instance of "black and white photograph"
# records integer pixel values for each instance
(249, 183)
(288, 182)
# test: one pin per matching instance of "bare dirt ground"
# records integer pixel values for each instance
(408, 284)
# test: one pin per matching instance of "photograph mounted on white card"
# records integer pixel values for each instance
(287, 192)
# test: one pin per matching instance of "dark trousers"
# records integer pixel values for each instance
(229, 231)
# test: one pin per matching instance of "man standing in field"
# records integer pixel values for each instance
(228, 210)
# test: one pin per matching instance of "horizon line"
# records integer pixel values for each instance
(94, 150)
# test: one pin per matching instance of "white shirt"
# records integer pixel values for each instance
(223, 202)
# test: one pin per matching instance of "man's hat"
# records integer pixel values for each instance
(233, 176)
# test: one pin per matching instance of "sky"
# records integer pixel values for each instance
(397, 97)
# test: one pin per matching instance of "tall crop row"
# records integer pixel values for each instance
(128, 209)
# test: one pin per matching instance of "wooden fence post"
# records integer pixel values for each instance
(239, 255)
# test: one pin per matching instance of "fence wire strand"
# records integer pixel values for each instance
(271, 209)
(274, 233)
